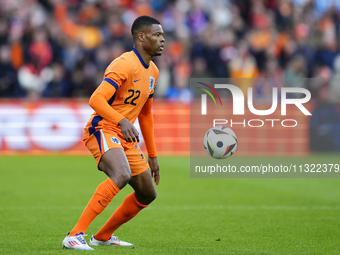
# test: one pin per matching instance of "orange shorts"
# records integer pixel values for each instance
(103, 140)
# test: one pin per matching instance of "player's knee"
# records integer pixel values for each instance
(126, 175)
(120, 176)
(151, 196)
(145, 197)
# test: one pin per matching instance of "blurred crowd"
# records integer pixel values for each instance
(59, 48)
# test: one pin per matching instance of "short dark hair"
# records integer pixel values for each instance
(143, 22)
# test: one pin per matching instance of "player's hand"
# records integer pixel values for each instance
(129, 131)
(153, 163)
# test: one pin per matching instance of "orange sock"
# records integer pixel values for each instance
(125, 212)
(105, 192)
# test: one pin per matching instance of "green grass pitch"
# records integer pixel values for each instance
(42, 197)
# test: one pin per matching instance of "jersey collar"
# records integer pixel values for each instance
(140, 58)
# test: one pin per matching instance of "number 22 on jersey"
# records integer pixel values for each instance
(134, 95)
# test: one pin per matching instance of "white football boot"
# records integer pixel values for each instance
(114, 241)
(76, 242)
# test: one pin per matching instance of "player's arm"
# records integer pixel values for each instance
(102, 98)
(99, 101)
(146, 124)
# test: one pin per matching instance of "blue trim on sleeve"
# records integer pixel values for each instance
(151, 96)
(140, 58)
(112, 83)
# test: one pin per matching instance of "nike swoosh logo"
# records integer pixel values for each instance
(101, 203)
(136, 80)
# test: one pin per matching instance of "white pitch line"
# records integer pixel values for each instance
(192, 208)
(245, 208)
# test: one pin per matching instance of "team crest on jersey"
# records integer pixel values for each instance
(115, 140)
(152, 82)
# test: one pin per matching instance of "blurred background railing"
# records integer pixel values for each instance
(56, 126)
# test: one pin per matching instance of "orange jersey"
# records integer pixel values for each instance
(125, 92)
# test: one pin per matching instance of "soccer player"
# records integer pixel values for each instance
(125, 93)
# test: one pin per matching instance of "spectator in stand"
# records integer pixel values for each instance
(164, 79)
(243, 67)
(334, 84)
(200, 69)
(59, 85)
(271, 77)
(295, 73)
(3, 31)
(180, 89)
(321, 78)
(33, 77)
(8, 75)
(329, 48)
(40, 48)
